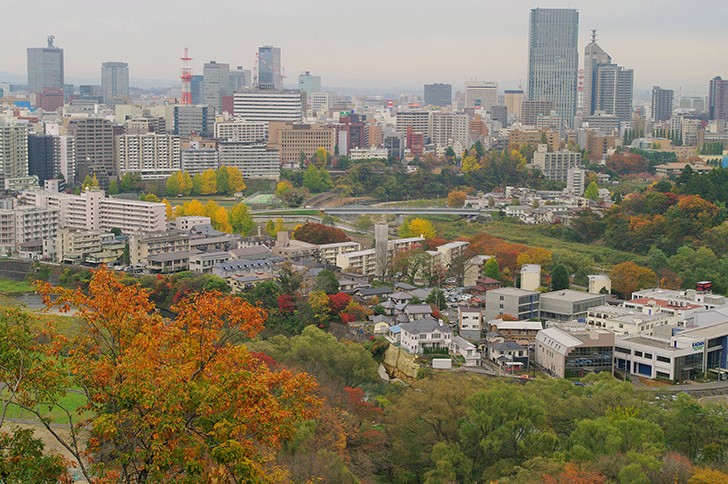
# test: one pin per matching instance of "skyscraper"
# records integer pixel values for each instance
(115, 82)
(481, 94)
(438, 94)
(718, 99)
(94, 148)
(661, 103)
(513, 99)
(45, 68)
(269, 68)
(215, 84)
(607, 87)
(13, 151)
(553, 59)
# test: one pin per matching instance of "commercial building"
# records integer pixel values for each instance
(513, 100)
(195, 119)
(553, 59)
(94, 148)
(115, 82)
(555, 165)
(718, 99)
(240, 79)
(662, 100)
(269, 68)
(268, 105)
(293, 139)
(481, 94)
(518, 303)
(613, 91)
(531, 110)
(254, 160)
(419, 120)
(241, 130)
(438, 94)
(594, 56)
(215, 84)
(450, 129)
(153, 156)
(567, 354)
(13, 151)
(569, 305)
(308, 83)
(45, 68)
(42, 161)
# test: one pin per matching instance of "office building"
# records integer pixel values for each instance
(320, 101)
(438, 94)
(269, 68)
(555, 165)
(197, 119)
(268, 105)
(308, 83)
(293, 139)
(499, 113)
(519, 303)
(531, 110)
(196, 88)
(241, 130)
(94, 148)
(570, 354)
(568, 305)
(481, 94)
(45, 68)
(13, 151)
(661, 103)
(254, 160)
(419, 121)
(215, 84)
(553, 59)
(718, 99)
(145, 124)
(513, 100)
(613, 91)
(153, 156)
(42, 161)
(594, 56)
(115, 82)
(240, 79)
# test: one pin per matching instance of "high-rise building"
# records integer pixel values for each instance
(240, 79)
(269, 68)
(254, 160)
(115, 82)
(293, 139)
(196, 88)
(419, 120)
(613, 91)
(481, 94)
(268, 105)
(438, 94)
(308, 83)
(661, 103)
(553, 59)
(607, 87)
(215, 84)
(198, 119)
(241, 130)
(718, 99)
(450, 129)
(151, 155)
(13, 151)
(45, 68)
(94, 148)
(513, 99)
(531, 110)
(41, 157)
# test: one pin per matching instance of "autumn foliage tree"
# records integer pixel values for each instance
(314, 233)
(173, 400)
(628, 277)
(418, 227)
(456, 198)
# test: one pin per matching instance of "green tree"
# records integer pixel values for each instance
(113, 187)
(22, 459)
(491, 269)
(241, 219)
(222, 176)
(326, 281)
(126, 256)
(592, 191)
(559, 278)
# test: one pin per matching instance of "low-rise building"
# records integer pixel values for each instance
(328, 253)
(470, 319)
(467, 350)
(522, 332)
(518, 303)
(144, 246)
(568, 304)
(424, 334)
(205, 261)
(567, 354)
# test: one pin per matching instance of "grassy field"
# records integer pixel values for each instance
(424, 203)
(71, 401)
(8, 286)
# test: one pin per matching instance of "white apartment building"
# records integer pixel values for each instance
(142, 246)
(329, 252)
(420, 121)
(93, 211)
(254, 160)
(365, 261)
(13, 151)
(241, 130)
(450, 129)
(154, 156)
(197, 159)
(26, 224)
(320, 101)
(555, 165)
(268, 105)
(72, 245)
(575, 180)
(368, 154)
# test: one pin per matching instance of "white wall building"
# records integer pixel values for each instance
(268, 105)
(241, 130)
(254, 160)
(151, 155)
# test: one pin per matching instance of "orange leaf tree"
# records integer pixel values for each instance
(628, 277)
(176, 399)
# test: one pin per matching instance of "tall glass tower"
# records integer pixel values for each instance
(553, 59)
(45, 68)
(269, 68)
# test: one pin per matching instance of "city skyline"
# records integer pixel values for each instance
(491, 41)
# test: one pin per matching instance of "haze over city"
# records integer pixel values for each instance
(380, 45)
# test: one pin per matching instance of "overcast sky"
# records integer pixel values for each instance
(387, 44)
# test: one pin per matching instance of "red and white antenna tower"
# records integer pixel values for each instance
(186, 78)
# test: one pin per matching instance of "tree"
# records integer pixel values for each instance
(470, 164)
(418, 227)
(283, 189)
(456, 198)
(162, 400)
(113, 187)
(628, 277)
(131, 182)
(490, 268)
(221, 177)
(559, 278)
(236, 183)
(592, 191)
(149, 197)
(126, 255)
(241, 220)
(326, 281)
(315, 180)
(207, 182)
(22, 459)
(321, 157)
(315, 233)
(168, 210)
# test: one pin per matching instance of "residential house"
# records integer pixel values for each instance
(425, 334)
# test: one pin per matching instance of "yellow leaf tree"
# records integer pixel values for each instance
(168, 209)
(456, 198)
(470, 164)
(236, 183)
(418, 227)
